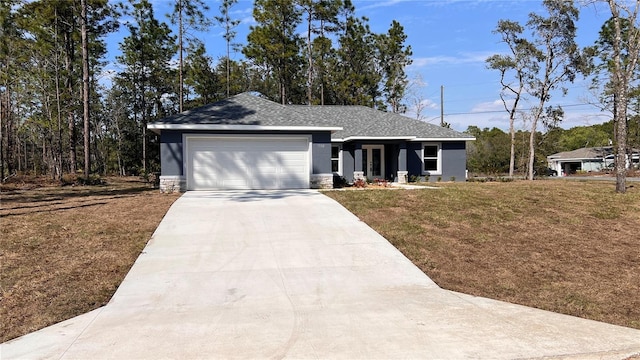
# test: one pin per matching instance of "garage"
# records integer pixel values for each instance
(247, 162)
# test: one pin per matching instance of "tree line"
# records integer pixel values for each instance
(59, 113)
(490, 154)
(543, 57)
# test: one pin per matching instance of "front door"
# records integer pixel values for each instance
(373, 161)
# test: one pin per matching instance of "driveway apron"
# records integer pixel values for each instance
(293, 274)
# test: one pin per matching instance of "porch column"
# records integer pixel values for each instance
(358, 171)
(403, 174)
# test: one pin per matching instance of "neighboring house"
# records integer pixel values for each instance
(247, 142)
(586, 159)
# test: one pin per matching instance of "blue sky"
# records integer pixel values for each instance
(450, 40)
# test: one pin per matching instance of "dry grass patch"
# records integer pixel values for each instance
(65, 250)
(568, 247)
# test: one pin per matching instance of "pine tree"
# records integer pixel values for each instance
(394, 58)
(188, 15)
(274, 45)
(356, 77)
(146, 54)
(201, 76)
(229, 25)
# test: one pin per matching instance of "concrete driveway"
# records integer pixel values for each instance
(292, 274)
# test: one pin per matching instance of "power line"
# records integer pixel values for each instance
(503, 111)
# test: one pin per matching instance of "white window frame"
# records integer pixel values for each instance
(339, 158)
(438, 171)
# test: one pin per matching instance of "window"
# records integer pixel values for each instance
(335, 159)
(431, 158)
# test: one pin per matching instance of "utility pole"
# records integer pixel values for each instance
(442, 105)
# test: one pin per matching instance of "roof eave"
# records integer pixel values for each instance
(223, 127)
(445, 139)
(354, 138)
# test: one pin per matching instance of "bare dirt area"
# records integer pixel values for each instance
(566, 246)
(65, 249)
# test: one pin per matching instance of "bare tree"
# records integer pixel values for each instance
(416, 98)
(521, 62)
(559, 60)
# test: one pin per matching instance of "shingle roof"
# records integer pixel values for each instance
(241, 109)
(587, 153)
(584, 153)
(355, 121)
(362, 121)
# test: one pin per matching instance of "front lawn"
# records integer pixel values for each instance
(566, 246)
(65, 250)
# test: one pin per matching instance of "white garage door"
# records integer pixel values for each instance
(220, 163)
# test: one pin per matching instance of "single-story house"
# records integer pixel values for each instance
(588, 159)
(248, 142)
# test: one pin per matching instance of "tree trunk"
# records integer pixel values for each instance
(310, 58)
(512, 156)
(228, 70)
(59, 153)
(180, 49)
(71, 122)
(2, 147)
(85, 86)
(532, 147)
(623, 71)
(621, 142)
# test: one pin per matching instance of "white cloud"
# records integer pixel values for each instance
(377, 4)
(462, 58)
(500, 119)
(248, 20)
(495, 105)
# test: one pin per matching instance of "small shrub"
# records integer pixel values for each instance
(91, 180)
(439, 178)
(68, 179)
(477, 179)
(360, 183)
(339, 182)
(381, 182)
(452, 179)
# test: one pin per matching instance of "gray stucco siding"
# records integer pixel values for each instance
(348, 162)
(414, 159)
(321, 153)
(454, 160)
(171, 155)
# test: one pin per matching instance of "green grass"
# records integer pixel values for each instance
(569, 247)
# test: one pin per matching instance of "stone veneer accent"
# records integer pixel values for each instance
(322, 181)
(402, 177)
(171, 184)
